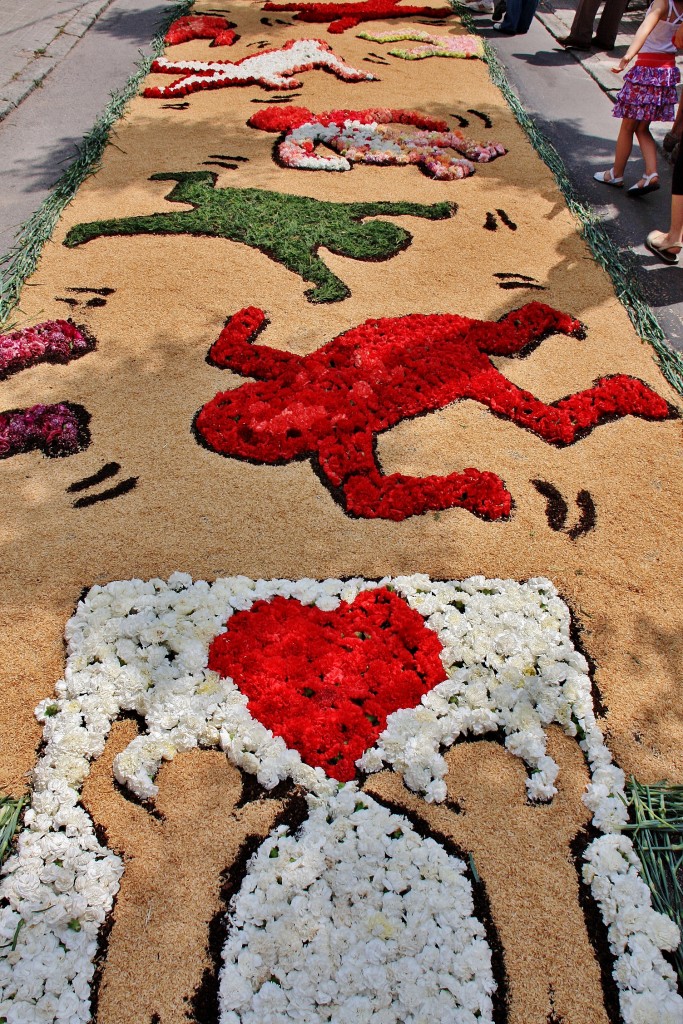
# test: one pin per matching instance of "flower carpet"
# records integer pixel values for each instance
(342, 515)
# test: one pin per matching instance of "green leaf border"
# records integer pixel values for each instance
(657, 832)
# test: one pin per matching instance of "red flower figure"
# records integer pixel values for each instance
(343, 16)
(326, 681)
(201, 26)
(330, 405)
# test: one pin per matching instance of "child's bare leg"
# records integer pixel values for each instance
(624, 145)
(647, 147)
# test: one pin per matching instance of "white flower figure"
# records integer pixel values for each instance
(142, 647)
(356, 918)
(271, 69)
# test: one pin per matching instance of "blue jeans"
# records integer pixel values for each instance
(518, 16)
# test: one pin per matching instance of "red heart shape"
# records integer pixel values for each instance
(326, 681)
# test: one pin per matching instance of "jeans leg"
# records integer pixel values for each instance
(512, 15)
(527, 15)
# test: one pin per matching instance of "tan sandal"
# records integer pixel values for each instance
(664, 252)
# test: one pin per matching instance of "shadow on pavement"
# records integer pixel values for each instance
(132, 25)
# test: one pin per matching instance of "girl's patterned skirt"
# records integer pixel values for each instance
(649, 89)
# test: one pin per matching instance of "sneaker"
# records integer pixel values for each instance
(480, 6)
(498, 26)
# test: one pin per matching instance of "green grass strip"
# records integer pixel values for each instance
(22, 259)
(607, 254)
(10, 809)
(657, 834)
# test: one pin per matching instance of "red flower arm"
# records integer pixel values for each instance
(234, 349)
(368, 493)
(523, 327)
(374, 496)
(341, 24)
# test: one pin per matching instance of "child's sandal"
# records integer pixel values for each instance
(642, 190)
(608, 178)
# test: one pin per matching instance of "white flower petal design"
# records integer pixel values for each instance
(143, 646)
(356, 918)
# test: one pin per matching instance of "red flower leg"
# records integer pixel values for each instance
(234, 349)
(562, 422)
(397, 497)
(350, 463)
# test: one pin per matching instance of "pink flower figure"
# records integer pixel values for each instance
(375, 136)
(54, 341)
(56, 430)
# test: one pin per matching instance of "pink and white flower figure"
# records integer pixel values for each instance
(376, 136)
(271, 69)
(431, 45)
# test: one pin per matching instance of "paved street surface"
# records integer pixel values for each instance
(36, 36)
(567, 94)
(39, 138)
(575, 113)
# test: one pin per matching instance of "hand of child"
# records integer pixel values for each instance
(620, 66)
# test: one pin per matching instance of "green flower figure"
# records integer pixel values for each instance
(289, 229)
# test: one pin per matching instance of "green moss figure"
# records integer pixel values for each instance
(289, 229)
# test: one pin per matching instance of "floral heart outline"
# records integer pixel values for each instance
(325, 681)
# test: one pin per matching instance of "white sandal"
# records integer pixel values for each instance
(642, 190)
(611, 180)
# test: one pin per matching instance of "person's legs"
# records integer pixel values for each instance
(527, 15)
(677, 127)
(674, 235)
(624, 145)
(510, 22)
(676, 132)
(608, 26)
(668, 244)
(647, 147)
(581, 31)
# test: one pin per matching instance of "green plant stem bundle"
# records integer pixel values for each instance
(657, 834)
(10, 810)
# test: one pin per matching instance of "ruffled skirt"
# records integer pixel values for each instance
(648, 94)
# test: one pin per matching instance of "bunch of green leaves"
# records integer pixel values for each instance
(657, 832)
(10, 810)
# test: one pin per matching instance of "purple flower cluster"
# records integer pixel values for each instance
(55, 341)
(56, 430)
